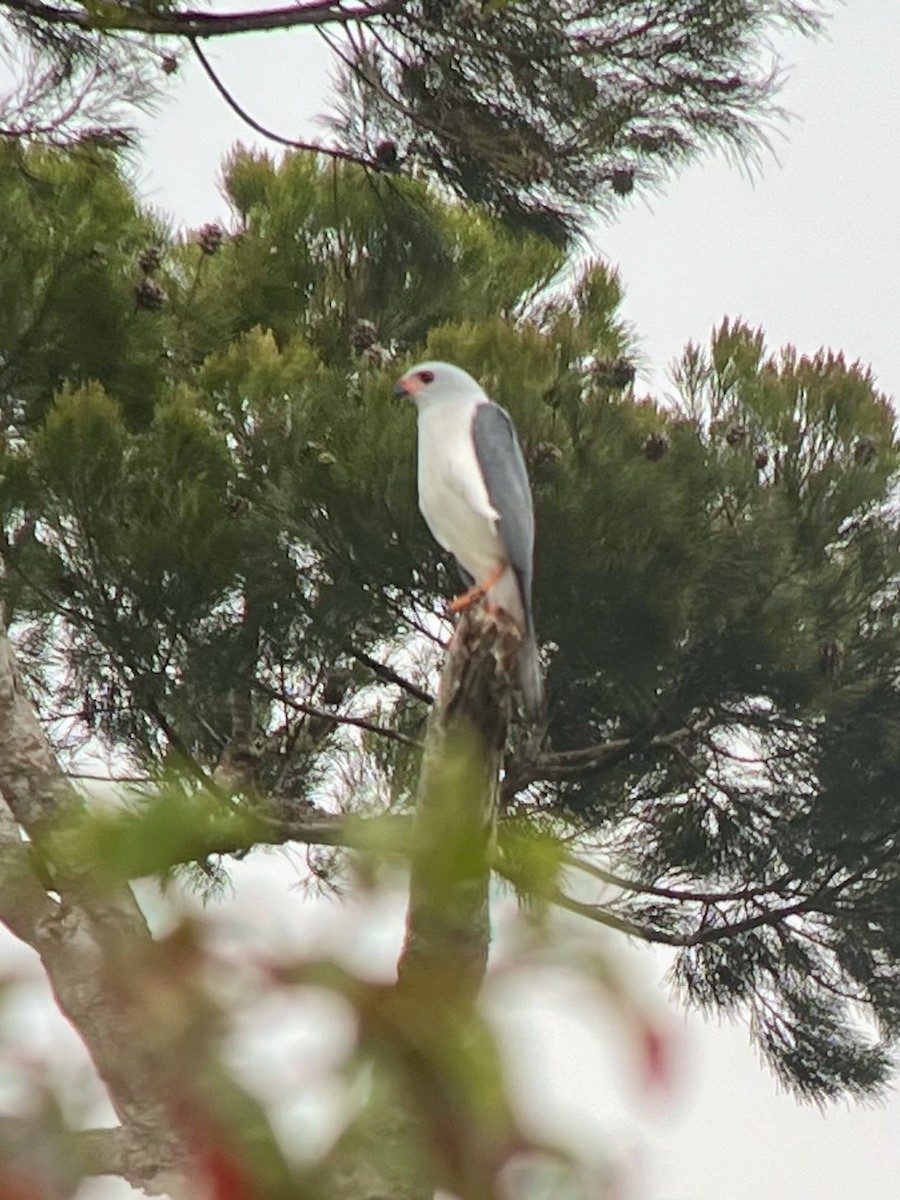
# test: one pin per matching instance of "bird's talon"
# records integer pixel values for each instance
(477, 592)
(466, 600)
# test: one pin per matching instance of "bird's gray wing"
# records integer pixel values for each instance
(500, 459)
(503, 467)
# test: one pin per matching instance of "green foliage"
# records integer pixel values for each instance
(71, 234)
(233, 556)
(325, 245)
(155, 831)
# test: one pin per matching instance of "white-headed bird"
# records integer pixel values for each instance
(475, 497)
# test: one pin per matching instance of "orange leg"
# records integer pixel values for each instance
(477, 592)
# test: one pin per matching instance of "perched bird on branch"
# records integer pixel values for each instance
(475, 497)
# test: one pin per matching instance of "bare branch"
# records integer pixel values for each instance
(569, 764)
(448, 925)
(685, 895)
(194, 24)
(327, 714)
(143, 780)
(603, 916)
(389, 675)
(573, 764)
(388, 834)
(704, 933)
(293, 143)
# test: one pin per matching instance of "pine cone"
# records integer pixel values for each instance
(533, 167)
(865, 451)
(761, 458)
(736, 435)
(69, 583)
(364, 335)
(149, 295)
(336, 685)
(656, 446)
(622, 180)
(435, 12)
(236, 505)
(210, 238)
(614, 373)
(542, 453)
(149, 259)
(386, 156)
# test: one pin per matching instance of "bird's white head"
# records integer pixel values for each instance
(431, 383)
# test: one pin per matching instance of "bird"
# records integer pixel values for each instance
(476, 500)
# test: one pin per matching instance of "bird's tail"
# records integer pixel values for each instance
(531, 679)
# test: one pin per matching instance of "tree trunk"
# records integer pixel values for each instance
(443, 962)
(448, 924)
(82, 937)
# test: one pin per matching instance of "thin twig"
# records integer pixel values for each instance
(293, 143)
(667, 893)
(389, 675)
(140, 779)
(325, 714)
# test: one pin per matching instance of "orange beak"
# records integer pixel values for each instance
(409, 385)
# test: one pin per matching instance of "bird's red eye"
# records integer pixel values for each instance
(427, 376)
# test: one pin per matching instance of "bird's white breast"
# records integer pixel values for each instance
(453, 498)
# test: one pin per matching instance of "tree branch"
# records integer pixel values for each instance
(80, 934)
(248, 119)
(116, 1152)
(685, 895)
(697, 937)
(389, 675)
(572, 764)
(326, 714)
(120, 18)
(569, 764)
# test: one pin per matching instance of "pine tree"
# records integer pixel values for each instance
(213, 564)
(543, 111)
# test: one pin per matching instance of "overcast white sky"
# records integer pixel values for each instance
(809, 249)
